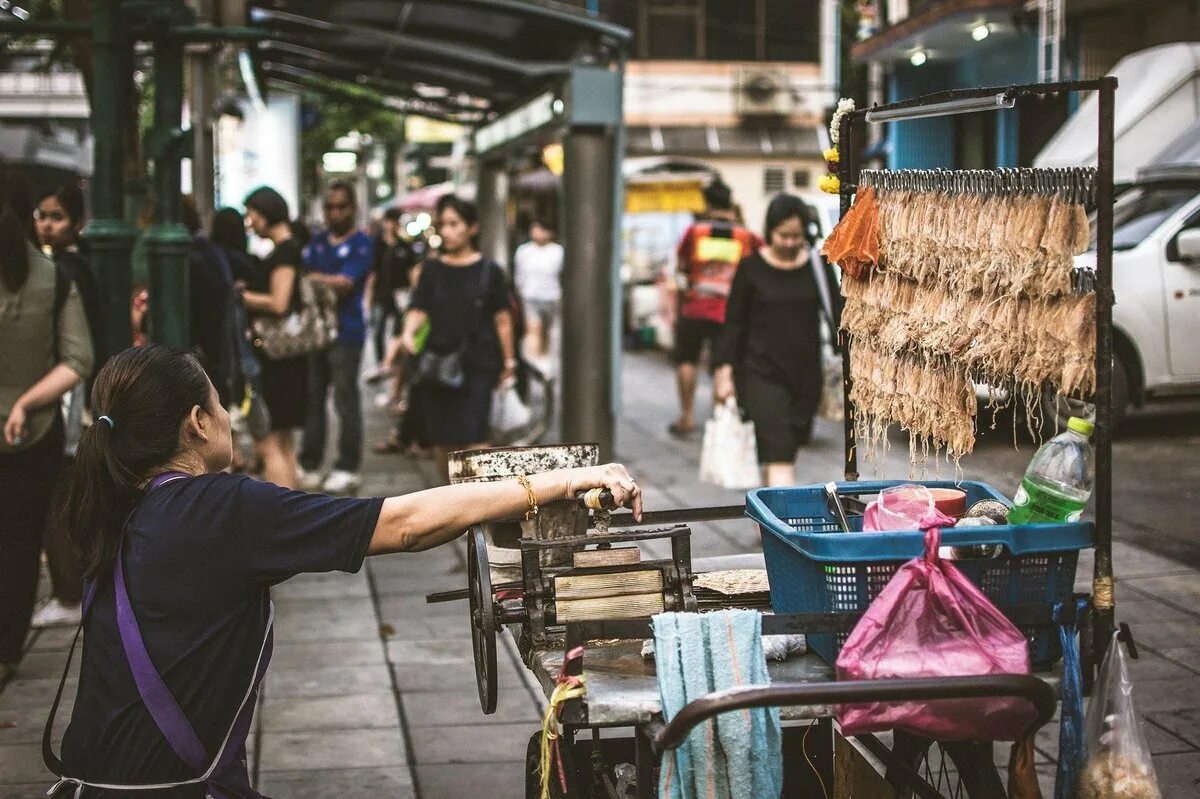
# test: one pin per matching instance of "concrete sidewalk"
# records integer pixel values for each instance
(372, 691)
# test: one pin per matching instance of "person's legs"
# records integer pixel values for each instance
(345, 363)
(689, 338)
(62, 558)
(26, 482)
(279, 458)
(685, 383)
(316, 421)
(779, 474)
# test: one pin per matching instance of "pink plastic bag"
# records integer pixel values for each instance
(931, 621)
(904, 507)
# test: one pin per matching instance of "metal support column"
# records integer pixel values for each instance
(588, 301)
(201, 98)
(493, 218)
(168, 241)
(109, 236)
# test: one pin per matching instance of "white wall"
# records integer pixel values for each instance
(261, 150)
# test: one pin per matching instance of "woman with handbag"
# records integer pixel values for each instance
(275, 293)
(181, 559)
(769, 352)
(469, 349)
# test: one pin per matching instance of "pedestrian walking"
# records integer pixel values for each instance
(182, 557)
(708, 256)
(45, 351)
(59, 218)
(275, 292)
(469, 348)
(340, 257)
(769, 353)
(387, 286)
(538, 265)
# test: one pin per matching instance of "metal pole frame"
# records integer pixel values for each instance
(848, 173)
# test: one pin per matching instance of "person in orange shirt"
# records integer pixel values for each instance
(708, 257)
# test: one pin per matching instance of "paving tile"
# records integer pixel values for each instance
(415, 608)
(501, 742)
(28, 791)
(22, 763)
(1183, 723)
(1151, 667)
(1182, 589)
(460, 707)
(333, 681)
(38, 694)
(400, 585)
(1159, 695)
(426, 629)
(1165, 634)
(463, 780)
(358, 783)
(316, 751)
(319, 654)
(25, 726)
(420, 677)
(46, 665)
(401, 653)
(355, 711)
(1178, 776)
(334, 585)
(54, 639)
(333, 624)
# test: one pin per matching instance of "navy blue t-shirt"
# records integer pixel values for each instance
(200, 555)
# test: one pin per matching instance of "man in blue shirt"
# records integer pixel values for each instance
(340, 257)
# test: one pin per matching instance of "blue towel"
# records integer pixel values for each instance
(738, 753)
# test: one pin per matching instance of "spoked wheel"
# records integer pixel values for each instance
(957, 770)
(483, 618)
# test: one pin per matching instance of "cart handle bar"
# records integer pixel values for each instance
(664, 737)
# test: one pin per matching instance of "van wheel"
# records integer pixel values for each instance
(1057, 410)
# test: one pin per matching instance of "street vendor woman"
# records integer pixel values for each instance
(181, 557)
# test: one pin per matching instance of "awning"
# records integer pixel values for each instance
(759, 141)
(426, 198)
(942, 29)
(457, 60)
(665, 197)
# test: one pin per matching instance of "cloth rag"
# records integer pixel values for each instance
(775, 647)
(737, 754)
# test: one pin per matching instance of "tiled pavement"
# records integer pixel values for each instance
(371, 692)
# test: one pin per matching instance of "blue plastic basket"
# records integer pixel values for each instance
(813, 567)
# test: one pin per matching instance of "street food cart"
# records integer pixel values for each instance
(563, 634)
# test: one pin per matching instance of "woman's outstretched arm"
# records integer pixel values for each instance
(426, 519)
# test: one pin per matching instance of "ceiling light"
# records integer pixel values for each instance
(980, 32)
(918, 58)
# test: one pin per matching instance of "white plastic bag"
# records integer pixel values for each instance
(509, 413)
(729, 454)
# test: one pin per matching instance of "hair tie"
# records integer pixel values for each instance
(108, 421)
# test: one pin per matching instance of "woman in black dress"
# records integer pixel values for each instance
(464, 298)
(274, 293)
(769, 354)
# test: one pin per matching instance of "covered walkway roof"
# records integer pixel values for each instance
(459, 60)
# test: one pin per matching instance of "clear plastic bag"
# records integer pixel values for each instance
(905, 507)
(509, 413)
(1118, 764)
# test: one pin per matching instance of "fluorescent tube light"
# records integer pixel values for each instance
(965, 106)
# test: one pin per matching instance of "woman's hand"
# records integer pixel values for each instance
(723, 388)
(14, 428)
(612, 476)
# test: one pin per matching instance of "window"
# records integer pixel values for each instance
(732, 30)
(774, 180)
(671, 29)
(1140, 211)
(801, 179)
(792, 30)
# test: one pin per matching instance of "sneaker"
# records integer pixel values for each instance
(56, 614)
(341, 482)
(309, 481)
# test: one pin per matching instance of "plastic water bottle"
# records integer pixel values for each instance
(1059, 479)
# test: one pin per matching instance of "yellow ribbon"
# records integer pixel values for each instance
(567, 689)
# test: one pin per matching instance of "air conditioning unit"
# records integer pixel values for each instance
(764, 92)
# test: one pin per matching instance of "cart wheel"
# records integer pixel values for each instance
(957, 770)
(483, 618)
(533, 770)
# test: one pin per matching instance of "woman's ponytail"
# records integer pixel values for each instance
(142, 396)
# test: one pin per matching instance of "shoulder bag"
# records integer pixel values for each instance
(310, 326)
(448, 369)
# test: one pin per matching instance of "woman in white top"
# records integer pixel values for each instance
(539, 264)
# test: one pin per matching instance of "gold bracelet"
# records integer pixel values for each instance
(532, 497)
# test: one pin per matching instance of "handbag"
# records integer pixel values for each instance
(448, 369)
(310, 327)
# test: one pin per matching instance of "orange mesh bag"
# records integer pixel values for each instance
(854, 243)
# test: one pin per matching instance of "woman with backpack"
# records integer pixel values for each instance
(462, 297)
(275, 293)
(182, 557)
(45, 351)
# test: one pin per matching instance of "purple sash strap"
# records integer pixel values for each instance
(220, 776)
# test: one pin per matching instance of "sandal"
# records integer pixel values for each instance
(679, 431)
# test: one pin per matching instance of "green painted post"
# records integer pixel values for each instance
(167, 240)
(109, 236)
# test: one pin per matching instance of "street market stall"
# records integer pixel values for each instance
(942, 270)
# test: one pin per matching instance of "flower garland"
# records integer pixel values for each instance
(830, 184)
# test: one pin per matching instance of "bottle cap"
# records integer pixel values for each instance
(1082, 426)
